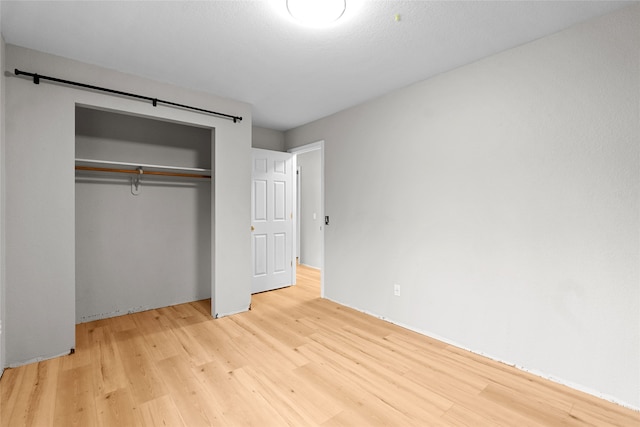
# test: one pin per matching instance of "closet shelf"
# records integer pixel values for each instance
(140, 165)
(138, 169)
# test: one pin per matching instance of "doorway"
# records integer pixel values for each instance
(142, 241)
(310, 218)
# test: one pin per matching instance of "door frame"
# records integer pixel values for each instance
(318, 145)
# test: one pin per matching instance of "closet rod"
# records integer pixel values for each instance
(140, 172)
(142, 165)
(154, 101)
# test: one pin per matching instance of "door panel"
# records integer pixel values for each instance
(280, 253)
(260, 201)
(280, 201)
(260, 254)
(272, 220)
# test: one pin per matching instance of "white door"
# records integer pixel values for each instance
(272, 220)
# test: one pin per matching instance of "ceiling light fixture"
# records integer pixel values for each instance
(316, 13)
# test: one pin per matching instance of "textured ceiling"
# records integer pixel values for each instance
(252, 52)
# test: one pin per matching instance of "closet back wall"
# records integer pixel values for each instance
(137, 252)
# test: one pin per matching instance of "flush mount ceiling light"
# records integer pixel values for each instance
(316, 13)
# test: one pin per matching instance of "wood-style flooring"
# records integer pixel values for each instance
(294, 359)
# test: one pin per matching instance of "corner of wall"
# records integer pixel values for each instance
(2, 244)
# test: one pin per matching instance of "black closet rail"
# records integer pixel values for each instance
(154, 101)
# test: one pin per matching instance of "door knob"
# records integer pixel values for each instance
(252, 228)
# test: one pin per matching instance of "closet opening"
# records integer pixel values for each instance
(143, 240)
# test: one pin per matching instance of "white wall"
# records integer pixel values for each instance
(153, 249)
(40, 176)
(503, 197)
(267, 139)
(310, 204)
(2, 205)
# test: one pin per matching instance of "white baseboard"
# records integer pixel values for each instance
(561, 381)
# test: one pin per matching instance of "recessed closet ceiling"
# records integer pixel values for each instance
(250, 51)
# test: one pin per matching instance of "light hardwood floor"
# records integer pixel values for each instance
(294, 359)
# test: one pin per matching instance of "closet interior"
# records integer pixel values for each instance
(143, 206)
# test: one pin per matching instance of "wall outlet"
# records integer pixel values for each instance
(396, 289)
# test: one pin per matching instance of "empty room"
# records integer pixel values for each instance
(319, 212)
